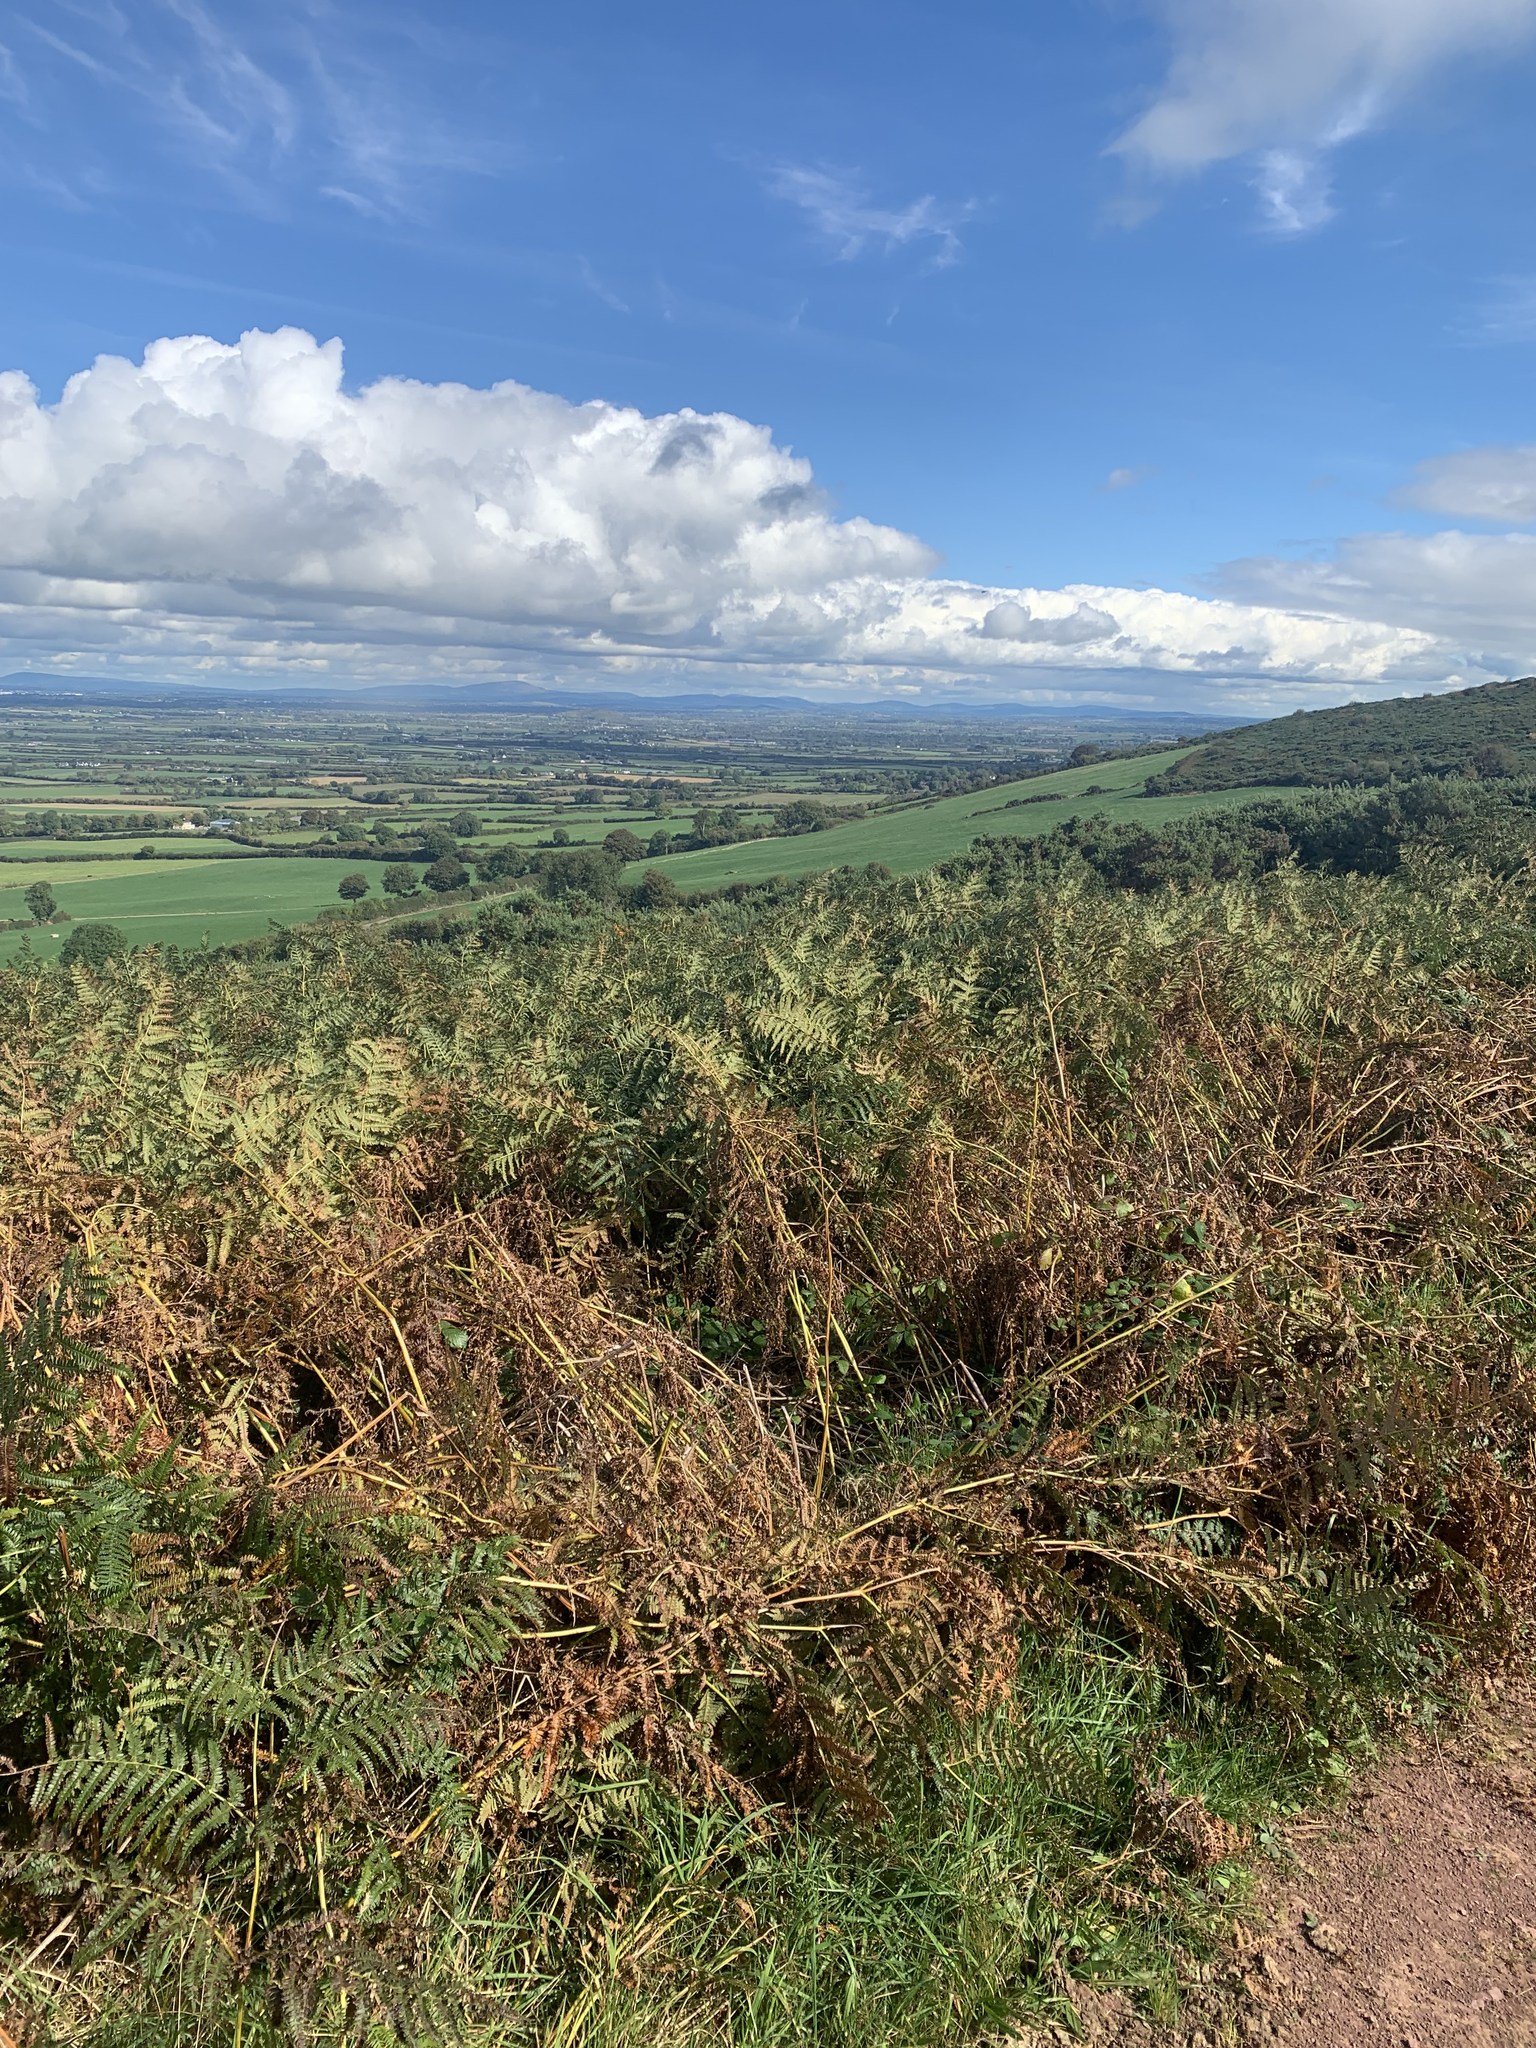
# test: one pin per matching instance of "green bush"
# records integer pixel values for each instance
(92, 945)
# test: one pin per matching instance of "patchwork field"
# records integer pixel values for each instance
(209, 892)
(352, 790)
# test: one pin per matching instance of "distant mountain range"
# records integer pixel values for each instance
(531, 700)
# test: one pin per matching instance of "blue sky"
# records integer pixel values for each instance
(1145, 350)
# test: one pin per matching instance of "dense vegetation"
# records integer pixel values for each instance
(1488, 731)
(803, 1469)
(1361, 831)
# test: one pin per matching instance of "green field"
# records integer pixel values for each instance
(215, 898)
(174, 845)
(176, 903)
(907, 840)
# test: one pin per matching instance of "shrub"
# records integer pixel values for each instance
(792, 1473)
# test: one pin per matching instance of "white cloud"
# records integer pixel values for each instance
(842, 210)
(1127, 479)
(293, 98)
(1477, 483)
(1294, 193)
(222, 508)
(12, 85)
(1293, 79)
(1080, 627)
(1474, 593)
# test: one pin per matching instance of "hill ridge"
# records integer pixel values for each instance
(1489, 729)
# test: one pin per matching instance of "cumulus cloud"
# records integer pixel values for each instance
(1290, 80)
(1079, 627)
(217, 508)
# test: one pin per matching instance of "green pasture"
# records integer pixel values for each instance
(915, 838)
(173, 845)
(177, 903)
(45, 793)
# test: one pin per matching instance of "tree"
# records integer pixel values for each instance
(658, 844)
(623, 844)
(439, 843)
(400, 879)
(1085, 755)
(465, 824)
(1494, 762)
(657, 891)
(584, 871)
(805, 814)
(447, 873)
(559, 837)
(352, 888)
(41, 903)
(92, 945)
(502, 863)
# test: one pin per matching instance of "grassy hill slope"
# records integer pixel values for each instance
(1488, 730)
(909, 840)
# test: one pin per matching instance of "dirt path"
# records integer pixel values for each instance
(1406, 1920)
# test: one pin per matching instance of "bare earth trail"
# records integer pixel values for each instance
(1405, 1920)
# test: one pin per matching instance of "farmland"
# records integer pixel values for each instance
(199, 828)
(178, 902)
(212, 893)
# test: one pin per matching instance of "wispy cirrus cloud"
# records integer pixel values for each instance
(12, 85)
(298, 97)
(1295, 191)
(1288, 82)
(843, 211)
(1506, 314)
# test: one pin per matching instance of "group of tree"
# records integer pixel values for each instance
(92, 824)
(1488, 732)
(1343, 831)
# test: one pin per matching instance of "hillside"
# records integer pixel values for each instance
(918, 835)
(1490, 730)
